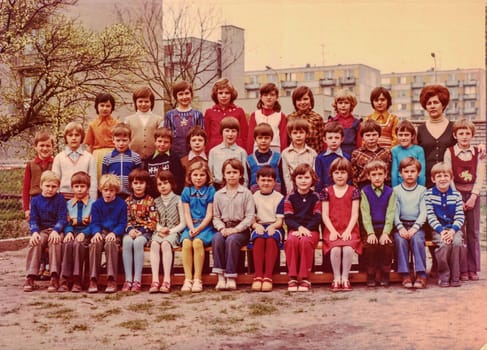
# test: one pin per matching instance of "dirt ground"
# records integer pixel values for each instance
(382, 318)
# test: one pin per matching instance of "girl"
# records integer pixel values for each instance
(233, 214)
(302, 214)
(381, 100)
(341, 236)
(269, 111)
(197, 198)
(224, 95)
(141, 223)
(171, 223)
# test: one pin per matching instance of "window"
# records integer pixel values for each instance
(386, 81)
(328, 91)
(253, 79)
(309, 76)
(418, 79)
(288, 92)
(402, 80)
(253, 94)
(272, 78)
(470, 90)
(348, 73)
(402, 107)
(329, 74)
(402, 93)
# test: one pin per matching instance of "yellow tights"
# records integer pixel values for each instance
(193, 250)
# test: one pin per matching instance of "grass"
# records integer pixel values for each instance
(78, 328)
(167, 317)
(12, 222)
(135, 325)
(141, 307)
(11, 180)
(110, 312)
(259, 309)
(63, 314)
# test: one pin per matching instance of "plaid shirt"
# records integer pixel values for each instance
(314, 138)
(362, 156)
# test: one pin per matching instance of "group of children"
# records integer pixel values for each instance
(193, 181)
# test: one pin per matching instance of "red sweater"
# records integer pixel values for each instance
(213, 117)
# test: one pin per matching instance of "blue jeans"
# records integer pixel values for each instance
(416, 245)
(133, 252)
(226, 252)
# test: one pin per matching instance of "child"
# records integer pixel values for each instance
(380, 100)
(468, 177)
(229, 128)
(171, 223)
(141, 223)
(377, 206)
(108, 223)
(196, 140)
(406, 133)
(333, 139)
(304, 103)
(233, 214)
(268, 111)
(267, 234)
(121, 161)
(47, 220)
(298, 152)
(344, 102)
(164, 159)
(409, 219)
(99, 137)
(76, 233)
(74, 159)
(143, 123)
(370, 151)
(444, 210)
(224, 95)
(263, 155)
(302, 214)
(197, 198)
(181, 119)
(341, 236)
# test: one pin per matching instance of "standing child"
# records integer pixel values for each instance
(341, 236)
(263, 155)
(76, 233)
(302, 214)
(171, 223)
(298, 151)
(141, 223)
(381, 100)
(406, 133)
(181, 119)
(233, 214)
(196, 140)
(224, 95)
(267, 234)
(108, 223)
(378, 206)
(444, 209)
(468, 177)
(197, 198)
(47, 220)
(74, 159)
(409, 219)
(268, 111)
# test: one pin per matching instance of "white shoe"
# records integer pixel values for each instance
(221, 285)
(187, 285)
(197, 286)
(231, 284)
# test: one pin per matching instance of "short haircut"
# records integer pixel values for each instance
(104, 97)
(370, 125)
(375, 164)
(166, 175)
(405, 162)
(43, 135)
(406, 125)
(198, 165)
(139, 175)
(221, 84)
(434, 90)
(298, 94)
(109, 180)
(344, 94)
(297, 124)
(74, 126)
(196, 131)
(235, 164)
(265, 90)
(375, 94)
(164, 133)
(302, 169)
(122, 130)
(463, 124)
(181, 86)
(334, 127)
(266, 171)
(81, 177)
(263, 129)
(341, 163)
(441, 167)
(143, 92)
(229, 123)
(49, 175)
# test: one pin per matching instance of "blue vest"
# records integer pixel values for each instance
(254, 166)
(378, 205)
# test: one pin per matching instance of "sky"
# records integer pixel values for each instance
(392, 36)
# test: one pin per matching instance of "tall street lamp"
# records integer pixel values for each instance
(275, 72)
(434, 61)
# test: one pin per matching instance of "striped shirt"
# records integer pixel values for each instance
(444, 209)
(121, 164)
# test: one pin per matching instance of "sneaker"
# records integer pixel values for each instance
(443, 284)
(197, 286)
(473, 276)
(187, 285)
(335, 286)
(53, 285)
(292, 286)
(221, 285)
(455, 284)
(136, 287)
(464, 277)
(165, 287)
(63, 286)
(111, 286)
(93, 287)
(231, 284)
(346, 286)
(154, 287)
(76, 288)
(29, 284)
(304, 286)
(256, 284)
(267, 285)
(127, 286)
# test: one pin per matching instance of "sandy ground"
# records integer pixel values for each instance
(382, 318)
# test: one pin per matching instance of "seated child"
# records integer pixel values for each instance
(196, 140)
(381, 100)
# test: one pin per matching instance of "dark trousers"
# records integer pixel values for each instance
(74, 257)
(378, 259)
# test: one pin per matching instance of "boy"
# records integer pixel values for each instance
(74, 159)
(468, 177)
(77, 233)
(377, 223)
(163, 159)
(143, 123)
(298, 152)
(370, 151)
(409, 219)
(121, 161)
(108, 223)
(333, 139)
(229, 129)
(47, 220)
(444, 210)
(196, 140)
(263, 155)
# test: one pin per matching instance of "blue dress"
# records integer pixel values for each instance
(198, 201)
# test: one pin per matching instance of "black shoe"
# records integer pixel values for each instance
(371, 283)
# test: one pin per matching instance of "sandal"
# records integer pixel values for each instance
(257, 284)
(154, 287)
(197, 286)
(407, 283)
(187, 285)
(127, 286)
(292, 286)
(304, 286)
(165, 287)
(346, 286)
(420, 283)
(267, 284)
(335, 286)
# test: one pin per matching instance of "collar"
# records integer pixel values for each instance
(407, 188)
(192, 155)
(437, 192)
(223, 146)
(157, 153)
(338, 152)
(85, 200)
(268, 153)
(127, 152)
(240, 188)
(68, 151)
(457, 150)
(380, 188)
(306, 148)
(230, 107)
(108, 120)
(266, 194)
(38, 160)
(167, 196)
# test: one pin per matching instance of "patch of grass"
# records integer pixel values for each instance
(259, 309)
(110, 312)
(234, 319)
(81, 327)
(71, 296)
(135, 325)
(222, 330)
(141, 307)
(334, 298)
(44, 305)
(372, 300)
(167, 317)
(298, 311)
(63, 314)
(11, 180)
(114, 296)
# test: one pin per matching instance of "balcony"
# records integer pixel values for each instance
(452, 83)
(470, 110)
(417, 85)
(415, 98)
(252, 86)
(453, 111)
(289, 84)
(454, 96)
(327, 82)
(470, 97)
(471, 82)
(347, 81)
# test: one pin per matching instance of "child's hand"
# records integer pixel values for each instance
(303, 231)
(80, 237)
(384, 239)
(271, 230)
(470, 203)
(27, 215)
(412, 231)
(68, 237)
(259, 229)
(111, 237)
(96, 238)
(54, 237)
(34, 239)
(447, 236)
(372, 239)
(194, 232)
(346, 235)
(133, 233)
(333, 235)
(404, 233)
(228, 231)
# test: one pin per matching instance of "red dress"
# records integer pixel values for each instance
(340, 211)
